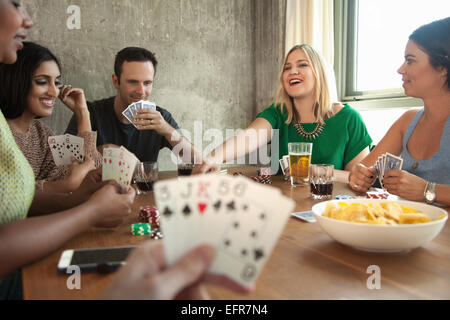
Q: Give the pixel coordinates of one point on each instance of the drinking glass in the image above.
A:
(185, 169)
(299, 161)
(321, 180)
(145, 175)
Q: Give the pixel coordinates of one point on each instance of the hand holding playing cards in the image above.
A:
(235, 215)
(90, 184)
(111, 207)
(404, 184)
(146, 119)
(361, 178)
(146, 276)
(78, 172)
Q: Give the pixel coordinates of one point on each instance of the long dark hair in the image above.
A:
(16, 79)
(434, 40)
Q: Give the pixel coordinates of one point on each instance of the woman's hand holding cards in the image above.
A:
(78, 172)
(361, 178)
(110, 207)
(404, 184)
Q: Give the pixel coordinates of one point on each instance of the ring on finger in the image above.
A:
(356, 186)
(151, 121)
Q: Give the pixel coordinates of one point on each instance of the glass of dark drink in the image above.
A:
(185, 169)
(145, 175)
(321, 181)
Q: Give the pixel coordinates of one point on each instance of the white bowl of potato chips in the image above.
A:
(380, 225)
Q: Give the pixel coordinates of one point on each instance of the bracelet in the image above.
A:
(425, 191)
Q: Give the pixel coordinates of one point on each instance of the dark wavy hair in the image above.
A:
(132, 54)
(434, 40)
(16, 79)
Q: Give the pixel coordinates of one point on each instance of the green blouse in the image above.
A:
(344, 136)
(16, 178)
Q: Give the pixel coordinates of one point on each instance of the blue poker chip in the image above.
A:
(344, 197)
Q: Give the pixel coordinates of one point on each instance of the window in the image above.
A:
(370, 41)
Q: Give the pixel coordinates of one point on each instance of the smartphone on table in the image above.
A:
(102, 260)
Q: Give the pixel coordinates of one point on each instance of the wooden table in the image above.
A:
(305, 264)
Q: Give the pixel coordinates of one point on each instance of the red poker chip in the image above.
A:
(149, 214)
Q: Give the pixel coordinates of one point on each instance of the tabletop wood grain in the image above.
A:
(305, 264)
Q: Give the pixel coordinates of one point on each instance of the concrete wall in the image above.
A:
(218, 59)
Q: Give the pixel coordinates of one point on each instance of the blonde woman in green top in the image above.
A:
(303, 112)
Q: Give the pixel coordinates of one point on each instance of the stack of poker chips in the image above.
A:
(263, 172)
(263, 176)
(150, 215)
(263, 179)
(156, 234)
(140, 229)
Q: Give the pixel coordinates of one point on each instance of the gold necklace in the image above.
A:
(309, 135)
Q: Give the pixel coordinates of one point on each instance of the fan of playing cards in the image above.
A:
(240, 218)
(130, 112)
(65, 147)
(118, 164)
(385, 163)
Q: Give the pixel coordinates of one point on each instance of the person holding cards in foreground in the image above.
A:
(146, 275)
(233, 215)
(420, 137)
(144, 131)
(303, 112)
(29, 89)
(24, 240)
(28, 231)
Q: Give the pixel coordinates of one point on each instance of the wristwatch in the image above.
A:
(429, 194)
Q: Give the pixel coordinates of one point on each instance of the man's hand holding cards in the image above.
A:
(237, 216)
(131, 111)
(118, 164)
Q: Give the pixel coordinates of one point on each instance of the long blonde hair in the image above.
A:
(323, 107)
